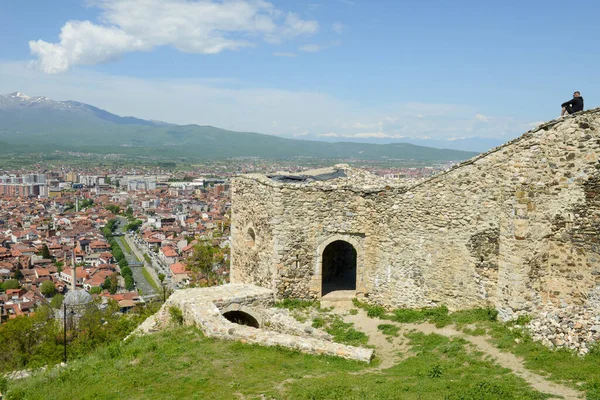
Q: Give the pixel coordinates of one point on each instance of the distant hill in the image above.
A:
(42, 124)
(474, 143)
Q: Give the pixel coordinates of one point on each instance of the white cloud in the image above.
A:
(329, 134)
(205, 27)
(315, 48)
(311, 48)
(284, 54)
(360, 125)
(482, 118)
(86, 44)
(338, 28)
(379, 135)
(362, 135)
(295, 26)
(218, 102)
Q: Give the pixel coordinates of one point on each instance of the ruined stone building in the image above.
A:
(516, 228)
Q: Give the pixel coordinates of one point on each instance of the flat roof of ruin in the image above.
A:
(340, 176)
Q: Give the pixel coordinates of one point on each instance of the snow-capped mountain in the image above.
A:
(42, 124)
(18, 99)
(20, 102)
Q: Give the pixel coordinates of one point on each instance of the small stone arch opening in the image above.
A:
(241, 318)
(251, 236)
(338, 267)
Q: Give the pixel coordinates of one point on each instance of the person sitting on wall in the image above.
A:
(573, 105)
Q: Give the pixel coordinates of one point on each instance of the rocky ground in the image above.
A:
(575, 328)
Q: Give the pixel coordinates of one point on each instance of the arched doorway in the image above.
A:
(338, 267)
(241, 318)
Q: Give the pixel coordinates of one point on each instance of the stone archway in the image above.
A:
(242, 315)
(338, 267)
(241, 318)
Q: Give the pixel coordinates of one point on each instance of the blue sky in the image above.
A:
(377, 70)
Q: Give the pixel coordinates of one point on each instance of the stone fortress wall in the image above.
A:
(516, 228)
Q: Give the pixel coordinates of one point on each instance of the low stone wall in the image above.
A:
(203, 307)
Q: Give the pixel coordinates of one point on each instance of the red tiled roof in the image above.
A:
(168, 251)
(178, 268)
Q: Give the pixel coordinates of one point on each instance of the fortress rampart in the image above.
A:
(516, 228)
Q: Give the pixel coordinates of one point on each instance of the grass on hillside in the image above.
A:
(341, 331)
(297, 304)
(558, 365)
(150, 280)
(182, 363)
(345, 333)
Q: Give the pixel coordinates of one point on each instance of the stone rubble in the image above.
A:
(573, 327)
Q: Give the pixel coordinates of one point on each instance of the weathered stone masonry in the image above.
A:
(516, 228)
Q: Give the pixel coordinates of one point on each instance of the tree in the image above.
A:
(30, 341)
(48, 289)
(126, 270)
(96, 290)
(46, 253)
(57, 301)
(85, 203)
(10, 284)
(129, 282)
(202, 259)
(107, 180)
(113, 208)
(114, 284)
(108, 229)
(59, 266)
(133, 226)
(18, 274)
(111, 284)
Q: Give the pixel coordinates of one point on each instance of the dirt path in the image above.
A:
(391, 353)
(388, 351)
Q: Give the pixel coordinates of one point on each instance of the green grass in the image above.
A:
(345, 333)
(389, 329)
(319, 322)
(297, 304)
(150, 280)
(182, 363)
(440, 316)
(341, 331)
(558, 365)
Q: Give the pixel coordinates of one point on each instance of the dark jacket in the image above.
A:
(576, 104)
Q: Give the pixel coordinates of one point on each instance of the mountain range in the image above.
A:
(37, 124)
